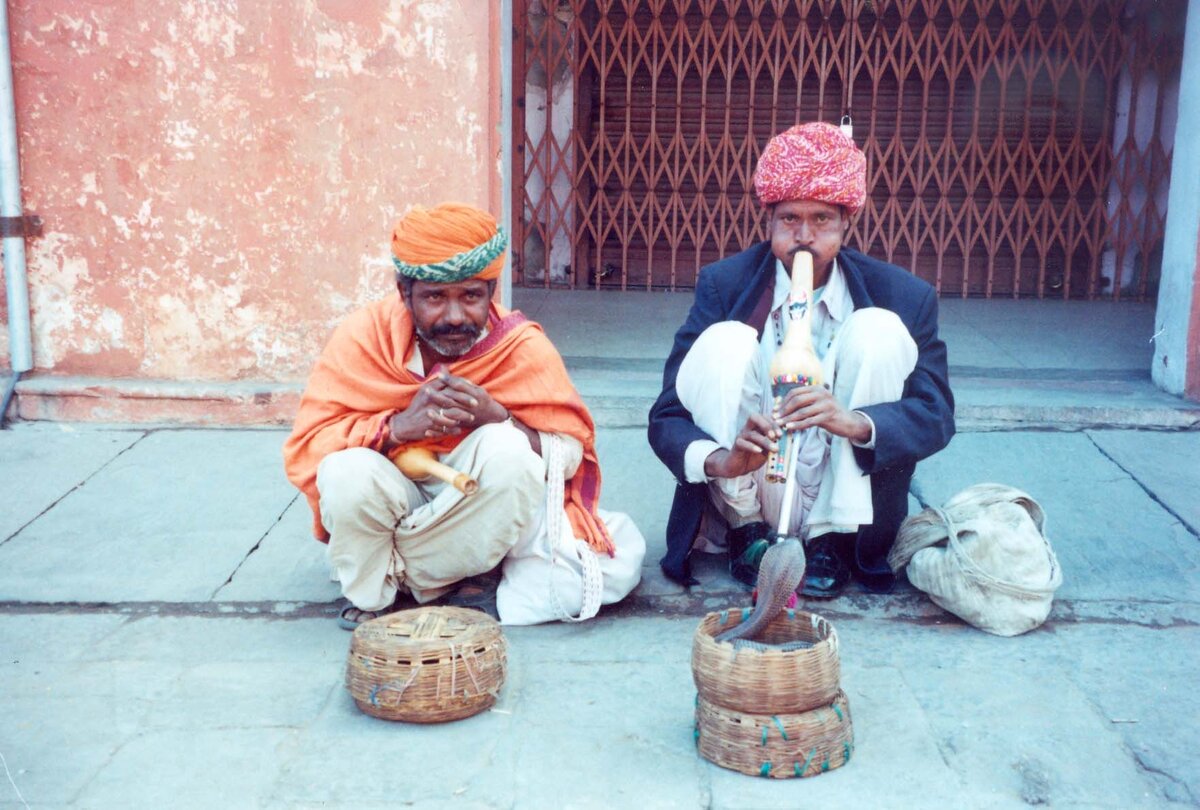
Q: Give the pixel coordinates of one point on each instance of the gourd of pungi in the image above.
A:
(795, 362)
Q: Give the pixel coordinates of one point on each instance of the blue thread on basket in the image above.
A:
(782, 733)
(766, 769)
(808, 761)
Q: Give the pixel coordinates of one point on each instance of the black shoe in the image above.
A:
(747, 545)
(876, 582)
(826, 573)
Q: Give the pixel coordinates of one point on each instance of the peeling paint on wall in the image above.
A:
(218, 178)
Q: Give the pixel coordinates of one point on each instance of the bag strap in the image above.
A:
(972, 569)
(593, 577)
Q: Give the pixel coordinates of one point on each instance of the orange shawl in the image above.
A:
(360, 380)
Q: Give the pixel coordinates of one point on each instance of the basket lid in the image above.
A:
(428, 627)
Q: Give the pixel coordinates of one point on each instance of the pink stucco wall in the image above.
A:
(218, 178)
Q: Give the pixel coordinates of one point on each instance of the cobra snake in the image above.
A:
(779, 575)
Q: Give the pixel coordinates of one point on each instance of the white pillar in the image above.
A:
(1177, 319)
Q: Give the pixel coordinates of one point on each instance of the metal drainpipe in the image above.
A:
(20, 349)
(506, 143)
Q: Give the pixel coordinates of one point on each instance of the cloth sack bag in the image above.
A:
(984, 557)
(550, 575)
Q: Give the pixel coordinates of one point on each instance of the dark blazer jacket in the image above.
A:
(914, 427)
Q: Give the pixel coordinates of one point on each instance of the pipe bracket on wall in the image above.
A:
(28, 226)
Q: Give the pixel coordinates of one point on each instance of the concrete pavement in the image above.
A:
(167, 640)
(167, 634)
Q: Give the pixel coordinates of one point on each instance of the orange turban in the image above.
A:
(812, 162)
(452, 242)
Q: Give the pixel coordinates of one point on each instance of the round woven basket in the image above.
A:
(426, 665)
(767, 681)
(780, 746)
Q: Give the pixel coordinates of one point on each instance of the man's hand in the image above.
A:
(749, 452)
(470, 405)
(814, 406)
(445, 406)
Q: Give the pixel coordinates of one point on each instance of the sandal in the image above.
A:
(351, 617)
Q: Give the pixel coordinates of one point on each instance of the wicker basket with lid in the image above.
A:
(769, 681)
(775, 710)
(427, 665)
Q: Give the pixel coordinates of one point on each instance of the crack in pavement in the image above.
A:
(1104, 717)
(64, 496)
(1153, 771)
(254, 548)
(1193, 530)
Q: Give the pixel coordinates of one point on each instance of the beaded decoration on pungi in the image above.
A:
(777, 460)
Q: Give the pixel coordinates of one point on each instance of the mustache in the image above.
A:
(792, 253)
(446, 330)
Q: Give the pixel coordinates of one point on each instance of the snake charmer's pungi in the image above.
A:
(886, 403)
(441, 366)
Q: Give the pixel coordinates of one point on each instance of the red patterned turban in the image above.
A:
(812, 162)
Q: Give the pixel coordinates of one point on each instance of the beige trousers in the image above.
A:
(720, 382)
(387, 532)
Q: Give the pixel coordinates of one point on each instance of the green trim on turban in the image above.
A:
(460, 267)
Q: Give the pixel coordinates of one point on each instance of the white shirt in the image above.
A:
(833, 306)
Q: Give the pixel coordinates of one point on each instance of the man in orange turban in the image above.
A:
(885, 405)
(442, 368)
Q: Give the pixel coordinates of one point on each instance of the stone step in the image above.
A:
(620, 391)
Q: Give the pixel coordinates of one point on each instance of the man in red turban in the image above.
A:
(886, 402)
(441, 368)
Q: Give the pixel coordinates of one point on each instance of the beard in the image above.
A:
(434, 337)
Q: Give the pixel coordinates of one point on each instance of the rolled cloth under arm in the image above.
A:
(572, 452)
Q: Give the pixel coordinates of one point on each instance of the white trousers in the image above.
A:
(387, 532)
(721, 382)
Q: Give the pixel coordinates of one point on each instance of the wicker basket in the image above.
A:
(780, 746)
(767, 681)
(426, 665)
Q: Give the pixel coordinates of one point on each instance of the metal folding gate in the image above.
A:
(1014, 147)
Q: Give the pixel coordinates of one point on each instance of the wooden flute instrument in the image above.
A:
(419, 462)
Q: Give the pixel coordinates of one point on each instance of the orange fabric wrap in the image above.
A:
(429, 235)
(360, 380)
